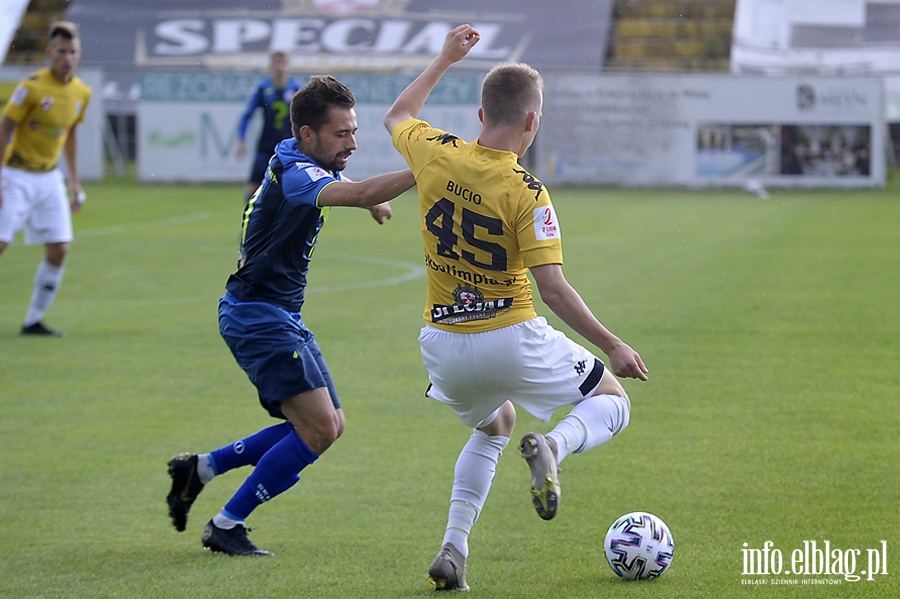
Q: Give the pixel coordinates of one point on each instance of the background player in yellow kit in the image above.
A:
(38, 125)
(486, 223)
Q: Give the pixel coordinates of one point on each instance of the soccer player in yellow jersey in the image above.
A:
(486, 222)
(38, 125)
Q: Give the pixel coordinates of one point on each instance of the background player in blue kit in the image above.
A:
(272, 96)
(259, 315)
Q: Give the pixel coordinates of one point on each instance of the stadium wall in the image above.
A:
(680, 130)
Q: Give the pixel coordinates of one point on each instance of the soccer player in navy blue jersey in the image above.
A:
(272, 97)
(259, 315)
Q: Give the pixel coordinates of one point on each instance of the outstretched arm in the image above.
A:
(380, 212)
(366, 193)
(565, 302)
(410, 101)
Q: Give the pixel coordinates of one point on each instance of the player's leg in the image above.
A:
(472, 479)
(246, 451)
(593, 421)
(560, 373)
(191, 472)
(461, 369)
(47, 281)
(257, 173)
(50, 223)
(20, 201)
(313, 416)
(14, 207)
(314, 412)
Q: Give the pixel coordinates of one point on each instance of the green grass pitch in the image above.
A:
(770, 328)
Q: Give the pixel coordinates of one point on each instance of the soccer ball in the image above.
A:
(639, 546)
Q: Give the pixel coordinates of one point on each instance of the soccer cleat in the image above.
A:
(232, 541)
(186, 486)
(540, 454)
(448, 570)
(39, 329)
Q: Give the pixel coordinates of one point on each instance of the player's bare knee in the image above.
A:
(56, 253)
(321, 438)
(339, 423)
(610, 385)
(503, 423)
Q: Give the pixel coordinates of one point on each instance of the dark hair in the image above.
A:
(64, 29)
(510, 91)
(310, 104)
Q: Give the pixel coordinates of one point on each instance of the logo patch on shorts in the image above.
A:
(545, 225)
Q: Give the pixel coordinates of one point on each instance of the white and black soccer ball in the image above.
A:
(639, 546)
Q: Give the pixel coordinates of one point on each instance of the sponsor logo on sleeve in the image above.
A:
(545, 225)
(312, 171)
(19, 95)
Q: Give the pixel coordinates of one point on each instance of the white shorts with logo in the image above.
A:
(530, 364)
(36, 202)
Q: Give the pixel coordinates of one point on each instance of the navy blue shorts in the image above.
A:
(278, 353)
(260, 164)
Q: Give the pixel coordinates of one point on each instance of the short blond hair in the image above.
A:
(510, 91)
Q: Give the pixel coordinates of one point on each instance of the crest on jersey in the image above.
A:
(467, 296)
(46, 104)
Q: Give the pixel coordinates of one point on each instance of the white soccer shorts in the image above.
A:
(37, 203)
(530, 364)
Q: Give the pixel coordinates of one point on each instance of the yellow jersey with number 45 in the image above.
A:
(485, 221)
(45, 110)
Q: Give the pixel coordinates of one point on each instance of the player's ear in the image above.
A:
(530, 120)
(481, 114)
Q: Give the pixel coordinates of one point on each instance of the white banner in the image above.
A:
(686, 130)
(187, 123)
(825, 37)
(704, 130)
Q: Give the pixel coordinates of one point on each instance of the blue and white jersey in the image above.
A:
(280, 228)
(275, 103)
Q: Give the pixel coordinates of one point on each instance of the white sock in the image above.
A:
(473, 475)
(204, 468)
(592, 422)
(46, 283)
(459, 523)
(222, 521)
(569, 434)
